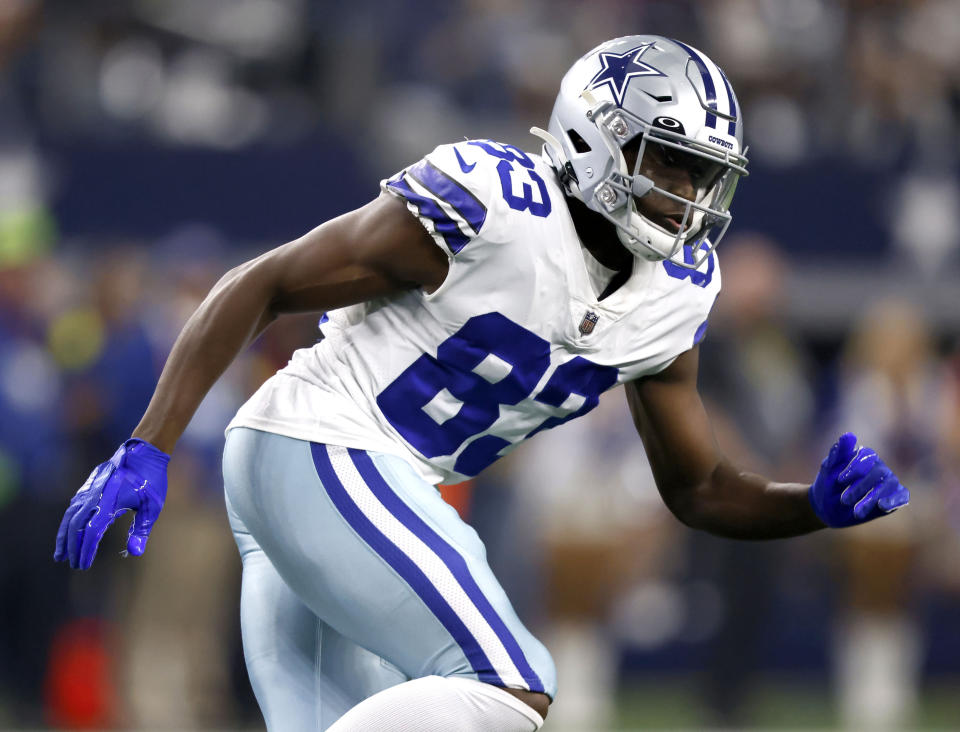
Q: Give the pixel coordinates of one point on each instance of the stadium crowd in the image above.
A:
(145, 148)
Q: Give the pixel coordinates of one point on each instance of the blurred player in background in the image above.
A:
(486, 295)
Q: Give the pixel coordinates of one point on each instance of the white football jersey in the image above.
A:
(514, 341)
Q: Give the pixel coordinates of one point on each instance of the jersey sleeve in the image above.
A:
(685, 300)
(449, 196)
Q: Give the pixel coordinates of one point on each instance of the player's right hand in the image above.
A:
(134, 479)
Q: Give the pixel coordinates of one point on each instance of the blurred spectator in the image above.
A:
(33, 462)
(942, 555)
(181, 621)
(602, 536)
(102, 345)
(891, 395)
(144, 145)
(755, 383)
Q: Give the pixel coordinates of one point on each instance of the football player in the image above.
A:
(487, 294)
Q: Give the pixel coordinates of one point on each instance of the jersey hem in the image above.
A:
(327, 438)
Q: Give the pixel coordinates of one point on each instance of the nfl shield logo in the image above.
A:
(588, 323)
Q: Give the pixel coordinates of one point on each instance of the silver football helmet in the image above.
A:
(673, 97)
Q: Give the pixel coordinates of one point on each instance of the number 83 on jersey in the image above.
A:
(439, 404)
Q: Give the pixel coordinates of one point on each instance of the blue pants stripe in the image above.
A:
(403, 565)
(450, 557)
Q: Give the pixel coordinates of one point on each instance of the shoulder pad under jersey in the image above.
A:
(458, 188)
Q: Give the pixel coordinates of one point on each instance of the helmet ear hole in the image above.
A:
(579, 144)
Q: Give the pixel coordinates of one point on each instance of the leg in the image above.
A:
(371, 549)
(304, 674)
(436, 704)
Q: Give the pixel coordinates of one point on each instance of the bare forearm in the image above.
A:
(235, 311)
(742, 505)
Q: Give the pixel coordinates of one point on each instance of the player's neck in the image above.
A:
(599, 237)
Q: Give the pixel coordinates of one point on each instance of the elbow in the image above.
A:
(253, 279)
(699, 501)
(689, 504)
(235, 273)
(228, 279)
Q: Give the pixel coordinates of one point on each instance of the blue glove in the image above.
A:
(854, 486)
(134, 479)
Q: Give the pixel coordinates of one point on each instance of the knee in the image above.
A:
(537, 701)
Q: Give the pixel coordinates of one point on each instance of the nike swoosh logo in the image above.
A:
(463, 163)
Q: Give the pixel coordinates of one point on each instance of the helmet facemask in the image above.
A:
(704, 219)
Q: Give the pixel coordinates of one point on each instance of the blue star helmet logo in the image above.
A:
(619, 68)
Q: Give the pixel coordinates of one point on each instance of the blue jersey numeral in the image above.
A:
(526, 354)
(698, 278)
(577, 376)
(491, 361)
(508, 156)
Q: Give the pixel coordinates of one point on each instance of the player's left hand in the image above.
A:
(855, 486)
(134, 479)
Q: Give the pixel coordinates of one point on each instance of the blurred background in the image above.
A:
(147, 146)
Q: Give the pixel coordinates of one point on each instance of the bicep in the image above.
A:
(376, 250)
(673, 424)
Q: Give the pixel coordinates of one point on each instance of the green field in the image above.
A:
(774, 705)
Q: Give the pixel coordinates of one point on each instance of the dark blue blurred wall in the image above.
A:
(276, 193)
(258, 193)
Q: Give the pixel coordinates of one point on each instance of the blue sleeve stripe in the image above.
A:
(427, 208)
(701, 332)
(450, 192)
